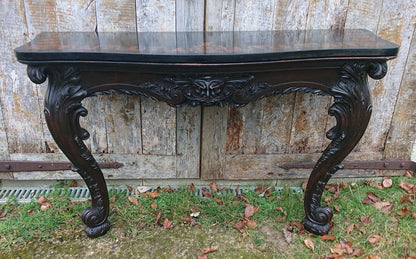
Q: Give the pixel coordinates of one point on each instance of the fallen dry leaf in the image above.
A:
(373, 239)
(283, 218)
(373, 197)
(387, 182)
(206, 193)
(244, 198)
(45, 204)
(304, 184)
(365, 219)
(187, 219)
(167, 224)
(191, 187)
(413, 214)
(336, 208)
(208, 250)
(328, 237)
(31, 212)
(152, 195)
(239, 225)
(251, 224)
(202, 257)
(408, 198)
(362, 230)
(250, 246)
(408, 174)
(129, 188)
(410, 188)
(213, 186)
(153, 205)
(309, 244)
(350, 228)
(73, 183)
(384, 206)
(3, 214)
(218, 200)
(403, 211)
(296, 225)
(249, 211)
(158, 217)
(133, 200)
(357, 252)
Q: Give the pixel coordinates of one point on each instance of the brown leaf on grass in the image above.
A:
(251, 224)
(384, 206)
(239, 225)
(3, 214)
(362, 230)
(158, 217)
(336, 208)
(373, 197)
(387, 182)
(202, 257)
(350, 228)
(222, 189)
(357, 252)
(167, 224)
(413, 214)
(403, 211)
(31, 212)
(153, 205)
(295, 225)
(243, 197)
(328, 237)
(152, 195)
(45, 204)
(129, 188)
(304, 184)
(209, 250)
(282, 218)
(206, 193)
(218, 200)
(365, 219)
(408, 174)
(408, 198)
(373, 239)
(408, 187)
(237, 190)
(191, 187)
(213, 186)
(187, 219)
(133, 200)
(249, 211)
(309, 244)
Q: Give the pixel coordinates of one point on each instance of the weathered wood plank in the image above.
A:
(123, 119)
(396, 23)
(310, 115)
(267, 166)
(402, 130)
(291, 14)
(21, 112)
(188, 134)
(116, 15)
(189, 17)
(158, 119)
(213, 142)
(134, 167)
(219, 17)
(76, 15)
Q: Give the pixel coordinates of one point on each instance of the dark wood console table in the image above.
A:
(207, 68)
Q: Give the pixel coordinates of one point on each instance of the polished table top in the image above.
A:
(202, 47)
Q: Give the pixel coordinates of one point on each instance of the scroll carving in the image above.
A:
(352, 109)
(63, 110)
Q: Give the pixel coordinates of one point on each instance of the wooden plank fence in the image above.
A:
(154, 140)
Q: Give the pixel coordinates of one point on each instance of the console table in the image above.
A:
(207, 68)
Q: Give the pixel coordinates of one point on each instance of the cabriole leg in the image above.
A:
(352, 110)
(63, 109)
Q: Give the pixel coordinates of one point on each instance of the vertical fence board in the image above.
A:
(123, 119)
(395, 24)
(158, 119)
(21, 112)
(189, 17)
(402, 131)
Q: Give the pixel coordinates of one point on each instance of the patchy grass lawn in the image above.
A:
(370, 219)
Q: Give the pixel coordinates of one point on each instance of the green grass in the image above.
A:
(26, 222)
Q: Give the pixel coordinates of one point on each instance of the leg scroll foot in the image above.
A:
(94, 228)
